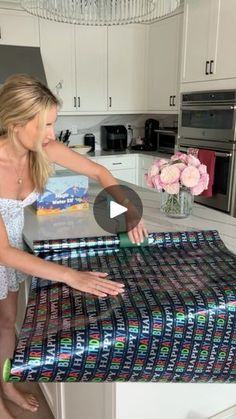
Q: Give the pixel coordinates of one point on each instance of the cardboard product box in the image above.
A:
(64, 192)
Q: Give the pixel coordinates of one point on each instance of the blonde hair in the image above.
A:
(22, 97)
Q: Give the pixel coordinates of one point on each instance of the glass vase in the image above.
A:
(177, 205)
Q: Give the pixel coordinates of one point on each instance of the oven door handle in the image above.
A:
(207, 107)
(218, 153)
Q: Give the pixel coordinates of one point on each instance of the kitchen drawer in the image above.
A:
(117, 162)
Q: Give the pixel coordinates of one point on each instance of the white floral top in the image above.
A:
(12, 212)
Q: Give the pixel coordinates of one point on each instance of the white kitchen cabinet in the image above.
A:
(164, 39)
(58, 54)
(53, 393)
(91, 68)
(73, 400)
(128, 175)
(130, 168)
(225, 59)
(126, 67)
(75, 63)
(122, 167)
(18, 28)
(209, 28)
(195, 44)
(127, 167)
(90, 76)
(144, 163)
(166, 401)
(137, 400)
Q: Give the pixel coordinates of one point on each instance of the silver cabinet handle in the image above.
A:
(174, 104)
(110, 102)
(116, 164)
(74, 102)
(170, 101)
(78, 98)
(206, 68)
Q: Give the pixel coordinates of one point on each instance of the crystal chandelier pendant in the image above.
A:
(101, 12)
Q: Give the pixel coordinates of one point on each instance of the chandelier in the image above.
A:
(101, 12)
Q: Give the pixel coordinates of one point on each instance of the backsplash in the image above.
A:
(91, 124)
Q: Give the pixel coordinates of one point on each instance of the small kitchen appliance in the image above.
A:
(113, 137)
(166, 140)
(151, 125)
(89, 139)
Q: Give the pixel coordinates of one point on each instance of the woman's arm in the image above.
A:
(92, 282)
(62, 155)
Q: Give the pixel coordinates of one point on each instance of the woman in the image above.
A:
(28, 111)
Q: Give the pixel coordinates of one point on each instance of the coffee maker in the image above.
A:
(150, 140)
(89, 139)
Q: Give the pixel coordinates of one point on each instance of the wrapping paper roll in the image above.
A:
(94, 244)
(175, 322)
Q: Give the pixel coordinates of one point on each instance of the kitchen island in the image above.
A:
(134, 400)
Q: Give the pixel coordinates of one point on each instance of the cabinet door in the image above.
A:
(17, 28)
(91, 68)
(196, 39)
(52, 393)
(126, 67)
(152, 400)
(83, 401)
(58, 54)
(144, 164)
(225, 60)
(163, 63)
(127, 175)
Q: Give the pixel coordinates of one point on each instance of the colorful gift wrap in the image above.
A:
(64, 192)
(175, 322)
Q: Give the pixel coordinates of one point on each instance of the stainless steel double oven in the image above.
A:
(207, 121)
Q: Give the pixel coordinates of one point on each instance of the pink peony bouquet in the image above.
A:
(182, 171)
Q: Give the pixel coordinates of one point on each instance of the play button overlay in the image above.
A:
(117, 209)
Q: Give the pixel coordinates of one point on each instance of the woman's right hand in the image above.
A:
(94, 283)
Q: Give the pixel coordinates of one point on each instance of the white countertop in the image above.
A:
(99, 153)
(83, 224)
